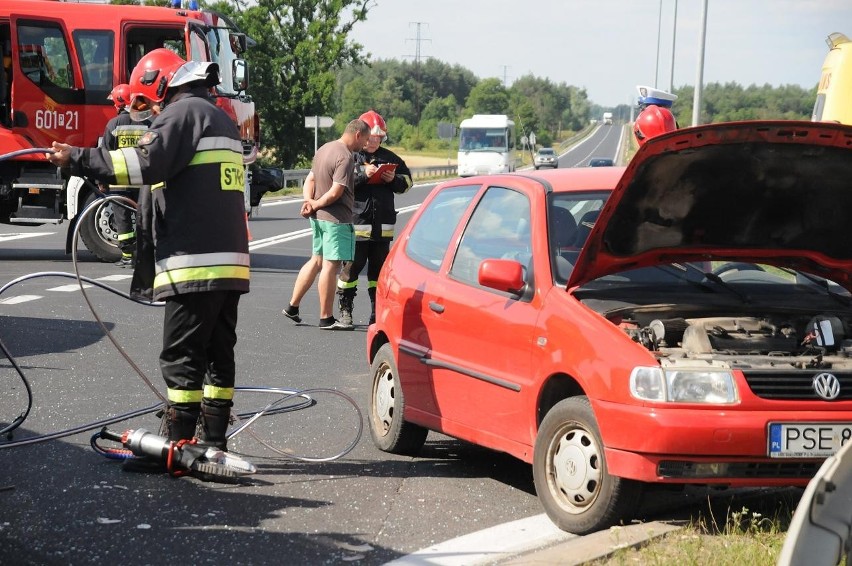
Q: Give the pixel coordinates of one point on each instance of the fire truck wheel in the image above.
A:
(99, 234)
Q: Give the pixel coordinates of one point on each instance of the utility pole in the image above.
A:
(417, 41)
(659, 27)
(674, 35)
(699, 76)
(505, 76)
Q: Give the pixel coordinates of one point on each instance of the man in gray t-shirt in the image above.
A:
(329, 194)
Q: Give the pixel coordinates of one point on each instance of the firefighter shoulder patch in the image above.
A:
(148, 138)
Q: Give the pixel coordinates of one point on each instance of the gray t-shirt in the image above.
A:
(334, 163)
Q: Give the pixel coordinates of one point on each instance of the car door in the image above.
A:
(481, 338)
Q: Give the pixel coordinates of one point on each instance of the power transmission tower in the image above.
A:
(418, 39)
(505, 76)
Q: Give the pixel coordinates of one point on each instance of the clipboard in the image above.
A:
(376, 178)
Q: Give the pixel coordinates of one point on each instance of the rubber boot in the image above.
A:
(182, 423)
(214, 426)
(372, 292)
(346, 304)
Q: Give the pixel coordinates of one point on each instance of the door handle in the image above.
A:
(436, 307)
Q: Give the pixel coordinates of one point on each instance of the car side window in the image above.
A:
(429, 239)
(498, 228)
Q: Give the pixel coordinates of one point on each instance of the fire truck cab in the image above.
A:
(60, 62)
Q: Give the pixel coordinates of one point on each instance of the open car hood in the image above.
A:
(778, 193)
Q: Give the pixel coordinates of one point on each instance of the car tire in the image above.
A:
(570, 473)
(98, 232)
(536, 167)
(389, 431)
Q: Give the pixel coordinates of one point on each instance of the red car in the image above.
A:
(686, 320)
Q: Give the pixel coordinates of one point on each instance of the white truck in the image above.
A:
(607, 118)
(486, 145)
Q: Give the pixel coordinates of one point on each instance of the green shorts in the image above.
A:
(332, 241)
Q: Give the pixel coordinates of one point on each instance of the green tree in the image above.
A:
(300, 46)
(487, 97)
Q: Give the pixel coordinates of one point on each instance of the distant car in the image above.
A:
(545, 157)
(601, 162)
(684, 321)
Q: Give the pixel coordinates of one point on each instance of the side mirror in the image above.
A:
(240, 74)
(238, 42)
(505, 275)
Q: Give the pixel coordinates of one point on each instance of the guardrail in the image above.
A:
(296, 177)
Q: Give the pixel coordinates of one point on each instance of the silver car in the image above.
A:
(545, 157)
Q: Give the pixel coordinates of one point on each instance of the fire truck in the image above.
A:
(60, 62)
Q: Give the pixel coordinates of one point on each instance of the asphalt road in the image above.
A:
(63, 503)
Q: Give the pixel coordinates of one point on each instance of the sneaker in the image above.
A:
(332, 323)
(292, 313)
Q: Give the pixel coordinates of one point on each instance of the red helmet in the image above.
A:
(653, 121)
(376, 123)
(151, 76)
(120, 96)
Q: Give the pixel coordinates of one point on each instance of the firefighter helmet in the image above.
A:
(120, 96)
(651, 122)
(376, 123)
(151, 75)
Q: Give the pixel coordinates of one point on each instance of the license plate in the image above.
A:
(807, 440)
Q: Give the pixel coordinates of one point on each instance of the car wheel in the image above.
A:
(536, 167)
(390, 432)
(570, 474)
(98, 232)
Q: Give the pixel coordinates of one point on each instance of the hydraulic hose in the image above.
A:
(303, 398)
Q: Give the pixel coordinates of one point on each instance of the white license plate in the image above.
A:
(807, 440)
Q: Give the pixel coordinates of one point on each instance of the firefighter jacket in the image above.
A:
(373, 213)
(192, 157)
(122, 131)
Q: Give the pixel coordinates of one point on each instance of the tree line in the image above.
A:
(303, 62)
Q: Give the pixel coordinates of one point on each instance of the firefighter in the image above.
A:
(374, 215)
(655, 116)
(653, 121)
(197, 259)
(122, 131)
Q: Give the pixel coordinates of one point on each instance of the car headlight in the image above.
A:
(710, 386)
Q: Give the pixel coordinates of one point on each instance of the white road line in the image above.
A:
(120, 277)
(69, 288)
(20, 299)
(272, 240)
(10, 237)
(488, 546)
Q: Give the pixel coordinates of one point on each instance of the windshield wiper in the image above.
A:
(710, 276)
(820, 282)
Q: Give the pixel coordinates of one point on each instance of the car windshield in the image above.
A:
(571, 217)
(546, 151)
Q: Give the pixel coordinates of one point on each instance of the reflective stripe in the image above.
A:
(168, 278)
(119, 167)
(408, 182)
(213, 392)
(372, 284)
(217, 156)
(158, 186)
(134, 168)
(341, 284)
(198, 260)
(126, 236)
(184, 396)
(220, 142)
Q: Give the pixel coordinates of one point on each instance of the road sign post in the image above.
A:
(317, 122)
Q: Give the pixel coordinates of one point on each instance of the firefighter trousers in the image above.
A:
(371, 253)
(197, 360)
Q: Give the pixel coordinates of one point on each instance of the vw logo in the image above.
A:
(827, 386)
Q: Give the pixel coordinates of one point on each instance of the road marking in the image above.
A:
(69, 288)
(271, 241)
(20, 299)
(21, 236)
(489, 546)
(120, 277)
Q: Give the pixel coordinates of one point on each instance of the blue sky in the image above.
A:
(610, 46)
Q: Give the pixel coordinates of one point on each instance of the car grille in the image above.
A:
(742, 470)
(794, 385)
